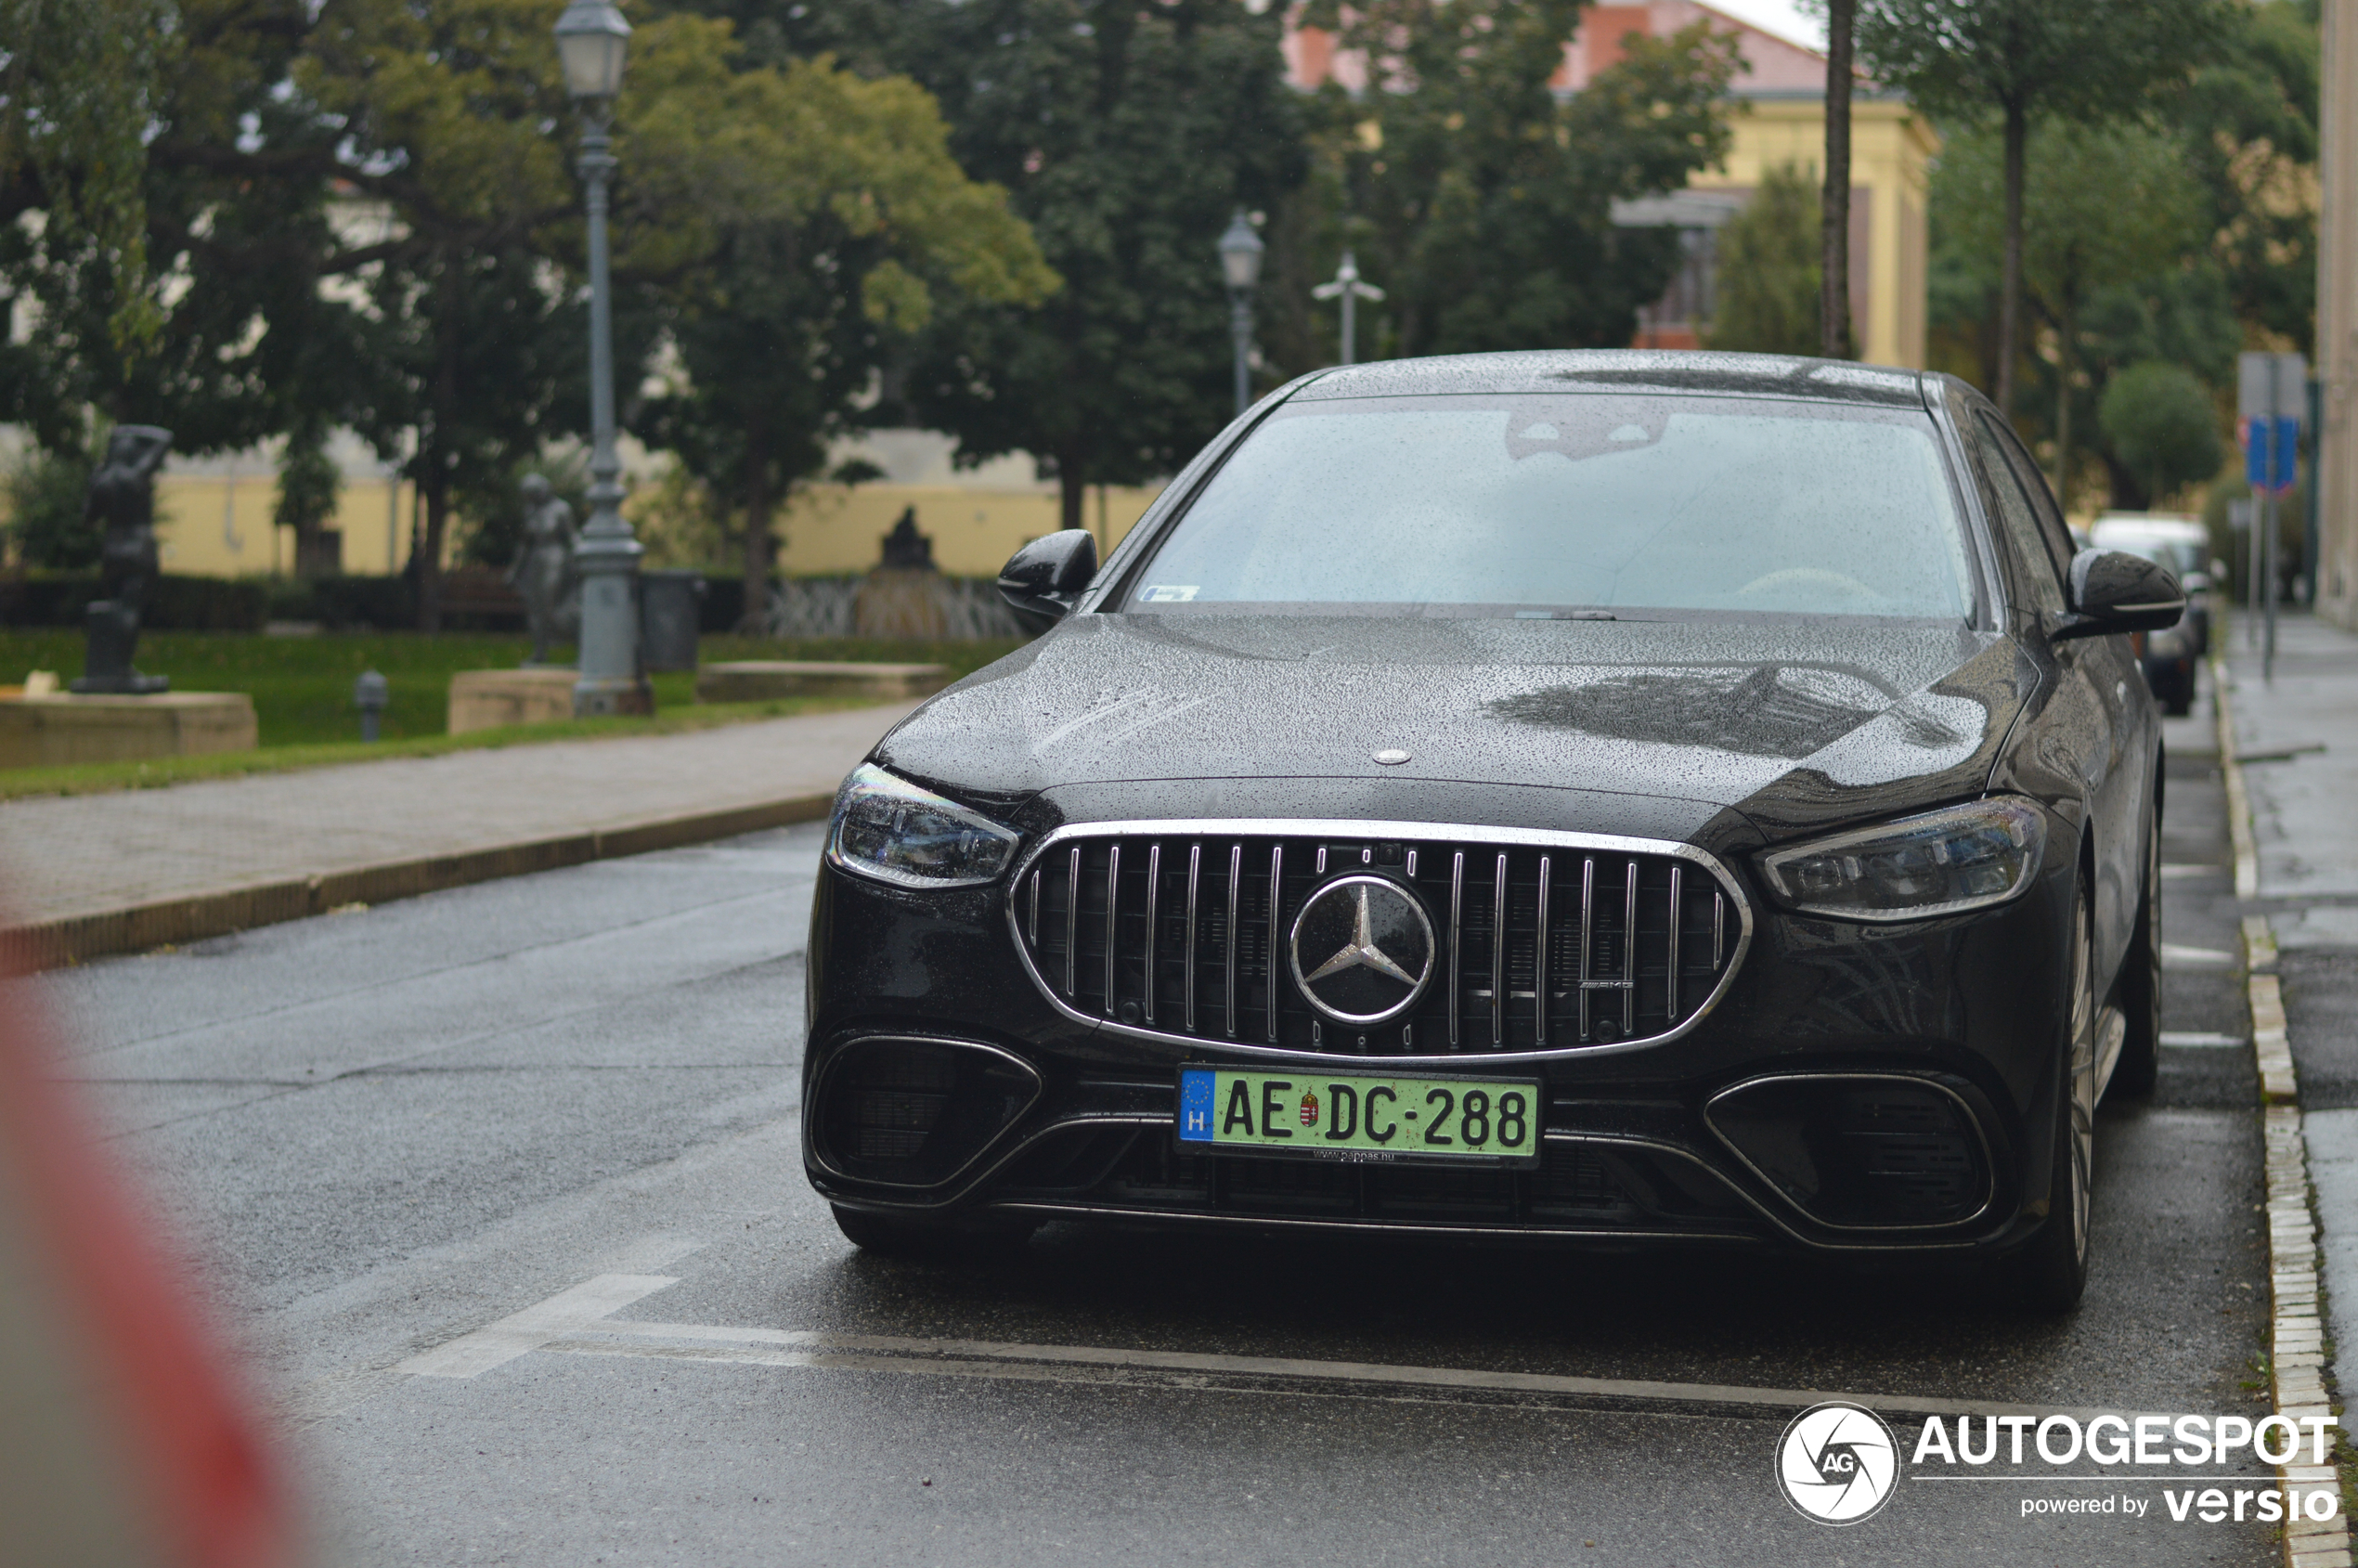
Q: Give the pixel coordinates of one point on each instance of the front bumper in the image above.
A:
(1855, 1088)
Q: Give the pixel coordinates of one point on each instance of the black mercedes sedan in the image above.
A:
(1609, 798)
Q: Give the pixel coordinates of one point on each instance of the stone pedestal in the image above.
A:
(64, 731)
(486, 699)
(755, 681)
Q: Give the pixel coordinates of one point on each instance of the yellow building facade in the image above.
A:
(218, 525)
(1891, 153)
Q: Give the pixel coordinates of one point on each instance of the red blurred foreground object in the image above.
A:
(124, 1438)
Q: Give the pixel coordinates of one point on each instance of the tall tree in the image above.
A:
(78, 88)
(1487, 199)
(223, 275)
(1833, 242)
(2021, 59)
(2074, 249)
(1125, 134)
(1768, 257)
(805, 290)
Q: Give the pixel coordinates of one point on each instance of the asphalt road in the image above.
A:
(395, 1133)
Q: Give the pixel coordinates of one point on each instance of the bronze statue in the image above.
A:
(121, 500)
(905, 550)
(543, 572)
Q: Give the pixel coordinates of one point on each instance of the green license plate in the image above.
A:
(1360, 1117)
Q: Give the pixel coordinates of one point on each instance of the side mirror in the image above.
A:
(2113, 590)
(1042, 580)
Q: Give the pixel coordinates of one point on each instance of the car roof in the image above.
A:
(1622, 369)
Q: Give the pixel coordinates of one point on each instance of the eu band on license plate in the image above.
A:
(1360, 1117)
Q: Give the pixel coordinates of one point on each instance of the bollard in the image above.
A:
(368, 694)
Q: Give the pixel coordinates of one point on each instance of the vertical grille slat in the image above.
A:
(1072, 924)
(1194, 874)
(1154, 930)
(1543, 973)
(1629, 954)
(1113, 910)
(1677, 886)
(1277, 907)
(1539, 987)
(1588, 938)
(1498, 957)
(1457, 937)
(1228, 960)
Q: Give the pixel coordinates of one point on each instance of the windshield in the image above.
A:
(1568, 504)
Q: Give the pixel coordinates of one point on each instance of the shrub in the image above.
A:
(2163, 425)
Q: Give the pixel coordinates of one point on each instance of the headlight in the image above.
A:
(1958, 858)
(889, 829)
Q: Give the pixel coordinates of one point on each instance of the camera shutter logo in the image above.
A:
(1837, 1463)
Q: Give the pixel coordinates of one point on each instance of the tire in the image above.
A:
(936, 1241)
(2138, 991)
(2051, 1274)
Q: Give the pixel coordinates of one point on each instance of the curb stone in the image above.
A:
(2296, 1365)
(192, 918)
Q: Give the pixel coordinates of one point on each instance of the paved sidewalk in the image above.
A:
(2297, 737)
(276, 845)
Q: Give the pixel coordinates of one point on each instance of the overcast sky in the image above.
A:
(1783, 17)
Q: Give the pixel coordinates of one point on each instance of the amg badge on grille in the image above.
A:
(1361, 949)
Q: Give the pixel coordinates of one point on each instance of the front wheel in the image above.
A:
(2052, 1273)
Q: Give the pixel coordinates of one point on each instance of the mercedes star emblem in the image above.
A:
(1361, 949)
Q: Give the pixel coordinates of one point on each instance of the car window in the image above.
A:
(2061, 545)
(1535, 505)
(2042, 579)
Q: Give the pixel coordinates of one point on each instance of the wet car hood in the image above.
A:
(1796, 724)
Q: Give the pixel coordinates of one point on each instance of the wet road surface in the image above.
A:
(397, 1134)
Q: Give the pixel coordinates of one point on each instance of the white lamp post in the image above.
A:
(1240, 268)
(591, 37)
(1348, 289)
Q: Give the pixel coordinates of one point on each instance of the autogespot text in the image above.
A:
(2135, 1442)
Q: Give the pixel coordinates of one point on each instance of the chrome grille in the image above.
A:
(1542, 945)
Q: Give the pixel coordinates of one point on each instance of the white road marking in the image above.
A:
(2172, 873)
(2175, 957)
(564, 1313)
(577, 1323)
(2198, 1040)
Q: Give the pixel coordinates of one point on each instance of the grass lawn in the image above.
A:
(301, 691)
(302, 686)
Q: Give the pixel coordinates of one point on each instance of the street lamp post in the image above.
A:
(1240, 266)
(1351, 291)
(590, 39)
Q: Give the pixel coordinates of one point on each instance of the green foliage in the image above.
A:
(2102, 205)
(2089, 59)
(77, 79)
(2245, 119)
(309, 480)
(1486, 200)
(1125, 136)
(46, 492)
(806, 284)
(492, 513)
(2011, 64)
(1769, 268)
(2163, 427)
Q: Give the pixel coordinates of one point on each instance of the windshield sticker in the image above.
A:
(1168, 594)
